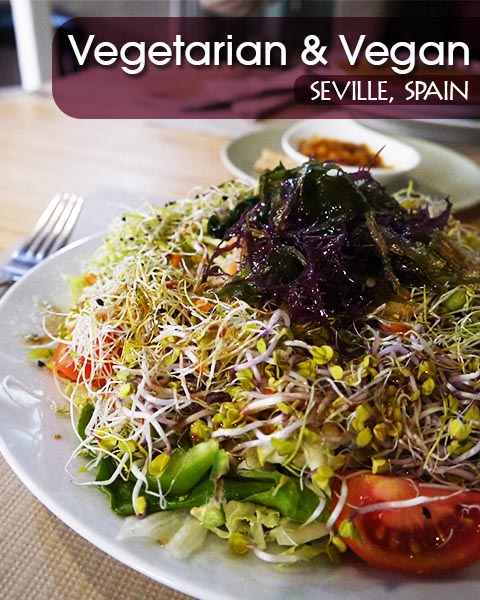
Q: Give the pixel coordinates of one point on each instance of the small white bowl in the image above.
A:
(398, 156)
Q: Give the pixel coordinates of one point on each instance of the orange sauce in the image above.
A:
(343, 153)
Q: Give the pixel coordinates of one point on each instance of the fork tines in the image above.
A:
(52, 229)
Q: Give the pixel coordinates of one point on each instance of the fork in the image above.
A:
(49, 234)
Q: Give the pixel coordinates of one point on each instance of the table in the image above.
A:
(42, 152)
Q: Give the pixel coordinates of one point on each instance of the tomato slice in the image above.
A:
(79, 369)
(432, 537)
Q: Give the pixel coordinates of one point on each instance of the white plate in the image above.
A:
(27, 439)
(441, 172)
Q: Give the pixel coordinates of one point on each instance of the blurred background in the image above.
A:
(27, 26)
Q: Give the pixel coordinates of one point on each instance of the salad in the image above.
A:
(293, 368)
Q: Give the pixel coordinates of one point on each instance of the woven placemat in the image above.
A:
(43, 559)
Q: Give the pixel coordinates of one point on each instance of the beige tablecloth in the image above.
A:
(43, 559)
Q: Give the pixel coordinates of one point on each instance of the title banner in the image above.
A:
(181, 68)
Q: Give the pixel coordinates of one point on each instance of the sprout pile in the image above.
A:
(239, 352)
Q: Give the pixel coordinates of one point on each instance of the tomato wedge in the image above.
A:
(64, 364)
(80, 369)
(432, 537)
